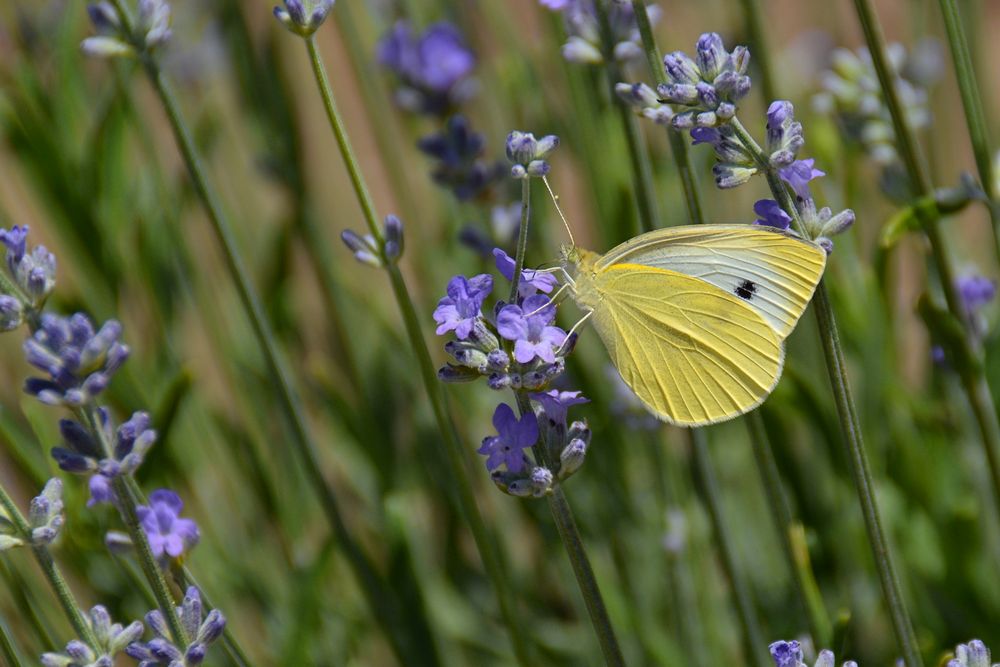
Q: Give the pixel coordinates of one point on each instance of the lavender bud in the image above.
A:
(578, 50)
(9, 542)
(497, 360)
(103, 17)
(119, 543)
(572, 457)
(710, 55)
(11, 313)
(363, 247)
(680, 68)
(825, 659)
(393, 247)
(731, 176)
(452, 373)
(106, 47)
(80, 652)
(300, 19)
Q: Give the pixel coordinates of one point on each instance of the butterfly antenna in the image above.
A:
(555, 200)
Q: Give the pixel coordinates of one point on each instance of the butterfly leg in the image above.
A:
(554, 300)
(572, 332)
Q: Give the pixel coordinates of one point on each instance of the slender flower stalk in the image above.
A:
(753, 638)
(7, 648)
(51, 571)
(678, 146)
(562, 513)
(127, 505)
(486, 542)
(642, 171)
(972, 103)
(973, 375)
(847, 414)
(377, 595)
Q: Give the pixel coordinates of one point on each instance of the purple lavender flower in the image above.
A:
(556, 403)
(79, 360)
(201, 630)
(556, 5)
(434, 67)
(169, 535)
(975, 291)
(531, 281)
(786, 654)
(529, 326)
(798, 174)
(513, 437)
(771, 214)
(459, 310)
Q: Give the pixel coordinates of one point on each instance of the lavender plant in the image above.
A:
(203, 412)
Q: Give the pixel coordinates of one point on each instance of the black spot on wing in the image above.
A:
(746, 290)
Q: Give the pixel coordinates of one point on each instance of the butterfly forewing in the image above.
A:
(693, 353)
(773, 272)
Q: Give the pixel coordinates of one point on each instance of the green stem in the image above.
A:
(522, 239)
(972, 103)
(849, 423)
(371, 583)
(7, 648)
(232, 647)
(973, 376)
(51, 572)
(678, 146)
(642, 171)
(558, 504)
(485, 539)
(25, 605)
(753, 639)
(573, 543)
(796, 557)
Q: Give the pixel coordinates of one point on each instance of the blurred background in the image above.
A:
(87, 160)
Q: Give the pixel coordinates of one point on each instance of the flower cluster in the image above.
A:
(78, 359)
(705, 90)
(519, 347)
(84, 451)
(853, 95)
(202, 631)
(26, 280)
(434, 67)
(366, 249)
(151, 29)
(789, 654)
(45, 519)
(585, 45)
(303, 19)
(459, 166)
(973, 654)
(112, 639)
(527, 154)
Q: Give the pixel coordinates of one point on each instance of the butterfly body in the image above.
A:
(694, 318)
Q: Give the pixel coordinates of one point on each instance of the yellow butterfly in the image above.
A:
(694, 317)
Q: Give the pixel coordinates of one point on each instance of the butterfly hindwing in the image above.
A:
(693, 353)
(773, 272)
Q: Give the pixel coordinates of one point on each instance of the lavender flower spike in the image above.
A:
(704, 91)
(112, 638)
(529, 326)
(459, 310)
(169, 535)
(78, 360)
(513, 437)
(528, 154)
(201, 630)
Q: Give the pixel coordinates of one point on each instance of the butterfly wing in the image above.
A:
(774, 272)
(691, 352)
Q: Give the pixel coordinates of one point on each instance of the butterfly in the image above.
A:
(695, 317)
